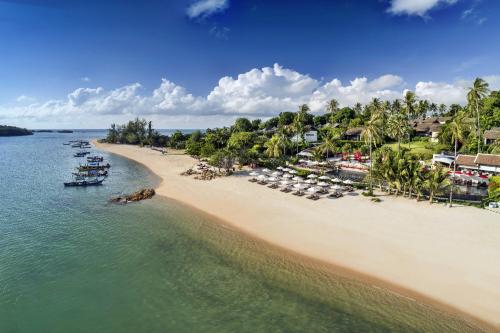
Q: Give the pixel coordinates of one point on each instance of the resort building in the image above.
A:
(354, 133)
(491, 135)
(310, 137)
(481, 162)
(429, 127)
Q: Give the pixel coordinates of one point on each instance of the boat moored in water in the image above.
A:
(82, 181)
(93, 166)
(95, 158)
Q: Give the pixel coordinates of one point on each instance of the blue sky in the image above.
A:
(63, 61)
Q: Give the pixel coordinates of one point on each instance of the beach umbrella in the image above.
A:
(254, 174)
(336, 187)
(302, 161)
(323, 184)
(324, 178)
(280, 168)
(277, 173)
(312, 175)
(293, 172)
(312, 189)
(272, 179)
(300, 186)
(336, 180)
(286, 182)
(262, 177)
(348, 182)
(287, 175)
(310, 181)
(297, 178)
(286, 169)
(266, 170)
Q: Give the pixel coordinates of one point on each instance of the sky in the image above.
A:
(202, 63)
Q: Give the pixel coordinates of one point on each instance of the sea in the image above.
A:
(70, 261)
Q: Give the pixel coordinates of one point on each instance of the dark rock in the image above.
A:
(145, 193)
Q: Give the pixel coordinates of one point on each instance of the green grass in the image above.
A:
(418, 147)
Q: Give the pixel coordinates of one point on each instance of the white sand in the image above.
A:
(451, 255)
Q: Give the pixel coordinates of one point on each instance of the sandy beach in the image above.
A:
(451, 255)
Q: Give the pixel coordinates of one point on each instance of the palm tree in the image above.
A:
(422, 108)
(372, 134)
(275, 146)
(436, 181)
(328, 144)
(332, 108)
(434, 109)
(397, 127)
(477, 92)
(299, 122)
(456, 129)
(409, 102)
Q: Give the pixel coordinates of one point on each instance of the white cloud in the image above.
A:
(85, 79)
(25, 99)
(257, 93)
(416, 7)
(206, 8)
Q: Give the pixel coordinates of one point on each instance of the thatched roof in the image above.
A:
(488, 159)
(492, 134)
(466, 160)
(354, 131)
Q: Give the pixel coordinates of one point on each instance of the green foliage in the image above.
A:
(243, 125)
(13, 131)
(494, 189)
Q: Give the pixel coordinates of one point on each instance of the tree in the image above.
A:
(442, 110)
(332, 108)
(409, 104)
(275, 147)
(372, 134)
(437, 180)
(477, 92)
(422, 108)
(398, 127)
(299, 123)
(223, 159)
(328, 144)
(456, 128)
(242, 125)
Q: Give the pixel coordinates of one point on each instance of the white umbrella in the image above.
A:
(323, 184)
(336, 180)
(336, 187)
(286, 182)
(262, 177)
(253, 174)
(300, 186)
(266, 170)
(312, 189)
(286, 169)
(312, 175)
(272, 179)
(348, 182)
(297, 178)
(310, 181)
(277, 173)
(287, 175)
(302, 161)
(293, 172)
(280, 168)
(324, 178)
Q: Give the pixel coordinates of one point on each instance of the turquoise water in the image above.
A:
(71, 262)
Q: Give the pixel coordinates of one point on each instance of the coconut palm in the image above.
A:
(275, 147)
(299, 123)
(422, 108)
(436, 181)
(456, 129)
(398, 127)
(477, 92)
(332, 108)
(409, 103)
(328, 144)
(372, 134)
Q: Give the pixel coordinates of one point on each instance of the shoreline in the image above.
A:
(280, 221)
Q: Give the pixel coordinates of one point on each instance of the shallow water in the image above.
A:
(71, 262)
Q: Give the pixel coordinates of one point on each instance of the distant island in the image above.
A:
(65, 131)
(14, 131)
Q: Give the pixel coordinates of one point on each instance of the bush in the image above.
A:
(376, 200)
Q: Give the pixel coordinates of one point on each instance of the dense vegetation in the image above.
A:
(13, 131)
(387, 132)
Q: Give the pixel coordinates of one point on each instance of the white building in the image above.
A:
(310, 136)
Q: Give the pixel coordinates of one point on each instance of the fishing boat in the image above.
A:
(92, 173)
(82, 181)
(95, 158)
(93, 166)
(81, 154)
